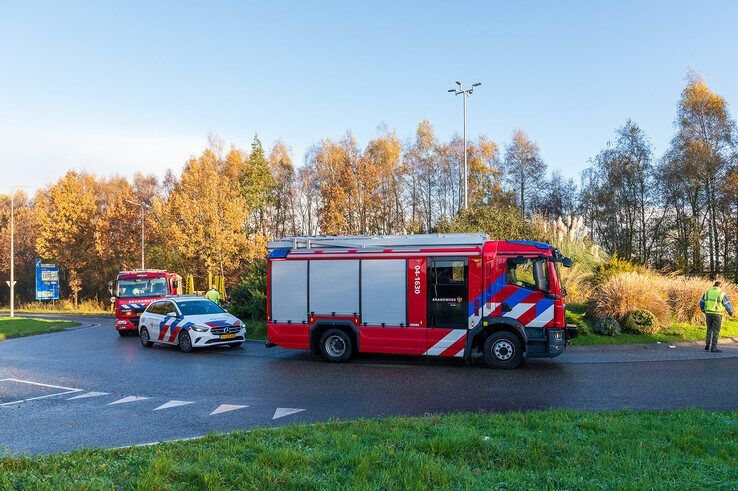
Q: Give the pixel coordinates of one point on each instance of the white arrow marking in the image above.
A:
(128, 399)
(224, 408)
(281, 412)
(89, 394)
(174, 403)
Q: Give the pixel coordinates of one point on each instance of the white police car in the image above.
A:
(189, 322)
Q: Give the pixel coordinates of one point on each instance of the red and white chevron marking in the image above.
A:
(452, 344)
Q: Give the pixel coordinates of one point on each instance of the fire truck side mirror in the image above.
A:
(175, 285)
(111, 287)
(567, 262)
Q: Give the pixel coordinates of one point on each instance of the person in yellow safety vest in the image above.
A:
(213, 295)
(714, 304)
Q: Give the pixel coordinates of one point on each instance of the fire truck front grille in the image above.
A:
(225, 330)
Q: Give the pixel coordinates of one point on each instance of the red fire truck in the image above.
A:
(133, 291)
(456, 295)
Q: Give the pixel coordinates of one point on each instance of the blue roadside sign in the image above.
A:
(47, 281)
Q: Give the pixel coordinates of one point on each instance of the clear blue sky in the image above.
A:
(115, 87)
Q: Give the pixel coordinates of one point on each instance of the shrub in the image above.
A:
(607, 326)
(248, 299)
(614, 266)
(685, 294)
(627, 292)
(641, 322)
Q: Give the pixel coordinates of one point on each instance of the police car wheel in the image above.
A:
(335, 346)
(503, 350)
(184, 342)
(145, 339)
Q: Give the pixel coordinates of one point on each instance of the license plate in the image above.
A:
(227, 336)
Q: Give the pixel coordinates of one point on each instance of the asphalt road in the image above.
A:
(90, 388)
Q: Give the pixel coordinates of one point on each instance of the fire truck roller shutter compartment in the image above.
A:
(334, 287)
(383, 292)
(289, 291)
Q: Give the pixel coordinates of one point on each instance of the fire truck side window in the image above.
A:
(530, 273)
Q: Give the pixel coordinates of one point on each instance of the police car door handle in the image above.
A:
(506, 307)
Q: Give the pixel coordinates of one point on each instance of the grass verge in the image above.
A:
(536, 450)
(18, 327)
(676, 331)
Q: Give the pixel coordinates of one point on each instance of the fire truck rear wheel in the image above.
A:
(335, 346)
(184, 342)
(145, 338)
(502, 349)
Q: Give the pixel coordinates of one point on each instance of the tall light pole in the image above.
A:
(459, 90)
(143, 264)
(11, 283)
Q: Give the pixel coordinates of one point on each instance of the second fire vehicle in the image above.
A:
(436, 295)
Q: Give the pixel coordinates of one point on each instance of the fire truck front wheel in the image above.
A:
(335, 346)
(502, 349)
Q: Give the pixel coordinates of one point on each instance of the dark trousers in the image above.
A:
(713, 329)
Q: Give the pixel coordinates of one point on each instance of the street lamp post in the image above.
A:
(143, 266)
(11, 283)
(459, 90)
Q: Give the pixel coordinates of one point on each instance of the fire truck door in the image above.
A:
(447, 292)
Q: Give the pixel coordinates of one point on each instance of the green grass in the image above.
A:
(677, 331)
(18, 327)
(85, 307)
(536, 450)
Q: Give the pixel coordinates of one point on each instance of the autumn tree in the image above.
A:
(25, 247)
(203, 218)
(284, 200)
(424, 174)
(66, 213)
(619, 195)
(383, 155)
(523, 169)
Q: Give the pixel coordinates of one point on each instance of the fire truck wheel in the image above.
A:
(503, 350)
(335, 346)
(184, 342)
(145, 339)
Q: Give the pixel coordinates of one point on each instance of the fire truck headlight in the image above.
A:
(200, 328)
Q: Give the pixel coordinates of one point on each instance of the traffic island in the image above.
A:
(17, 327)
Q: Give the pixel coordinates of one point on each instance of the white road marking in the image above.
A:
(89, 394)
(128, 399)
(224, 408)
(173, 403)
(281, 412)
(66, 390)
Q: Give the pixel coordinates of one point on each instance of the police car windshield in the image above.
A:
(198, 307)
(142, 287)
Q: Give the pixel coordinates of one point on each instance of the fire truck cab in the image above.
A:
(133, 291)
(455, 295)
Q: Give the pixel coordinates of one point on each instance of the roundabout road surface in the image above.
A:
(87, 387)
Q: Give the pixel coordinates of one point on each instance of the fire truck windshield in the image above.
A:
(142, 287)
